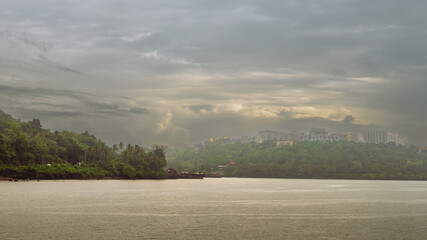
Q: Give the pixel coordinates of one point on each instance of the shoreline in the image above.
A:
(3, 179)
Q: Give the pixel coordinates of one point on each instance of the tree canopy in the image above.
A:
(24, 144)
(307, 160)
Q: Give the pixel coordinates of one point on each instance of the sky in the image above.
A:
(180, 72)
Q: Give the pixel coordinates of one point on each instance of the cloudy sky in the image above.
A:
(178, 72)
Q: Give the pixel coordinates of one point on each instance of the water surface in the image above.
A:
(225, 208)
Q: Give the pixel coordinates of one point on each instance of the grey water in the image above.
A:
(223, 208)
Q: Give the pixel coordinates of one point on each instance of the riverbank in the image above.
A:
(68, 171)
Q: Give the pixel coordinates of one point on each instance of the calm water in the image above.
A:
(226, 208)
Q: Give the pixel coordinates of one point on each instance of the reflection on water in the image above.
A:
(226, 208)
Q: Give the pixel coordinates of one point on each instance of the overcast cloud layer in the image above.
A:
(177, 72)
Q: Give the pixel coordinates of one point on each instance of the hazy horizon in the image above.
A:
(178, 72)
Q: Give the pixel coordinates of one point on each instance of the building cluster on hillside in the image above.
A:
(219, 141)
(314, 135)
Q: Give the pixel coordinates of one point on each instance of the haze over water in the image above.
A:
(226, 208)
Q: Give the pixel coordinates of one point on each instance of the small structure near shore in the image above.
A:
(213, 175)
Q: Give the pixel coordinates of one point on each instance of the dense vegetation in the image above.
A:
(29, 151)
(307, 160)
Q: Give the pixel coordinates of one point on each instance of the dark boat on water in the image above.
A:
(5, 179)
(173, 174)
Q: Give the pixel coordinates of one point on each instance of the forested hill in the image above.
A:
(307, 160)
(29, 151)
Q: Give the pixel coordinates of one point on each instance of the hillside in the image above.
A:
(29, 151)
(307, 160)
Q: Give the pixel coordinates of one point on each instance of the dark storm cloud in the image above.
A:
(26, 91)
(199, 108)
(58, 103)
(139, 110)
(105, 108)
(348, 119)
(33, 113)
(190, 69)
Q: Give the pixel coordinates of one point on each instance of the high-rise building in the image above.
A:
(268, 135)
(316, 135)
(375, 136)
(381, 136)
(318, 131)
